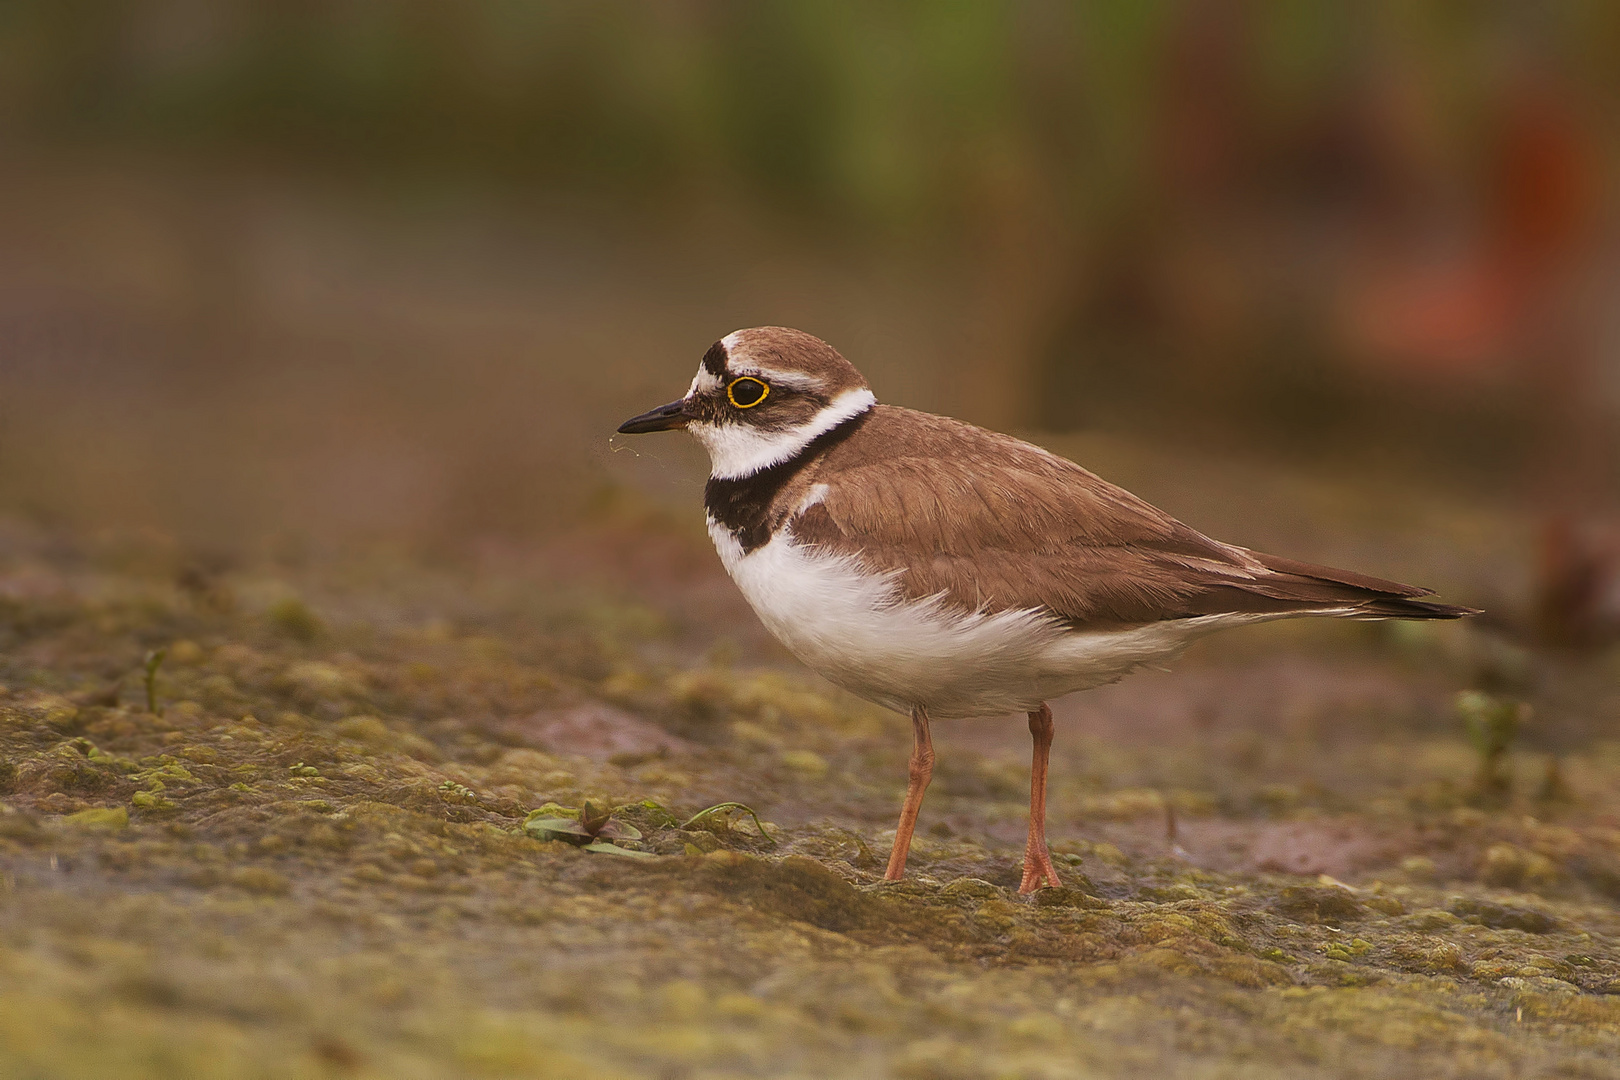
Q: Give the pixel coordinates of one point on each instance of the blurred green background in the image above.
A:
(395, 269)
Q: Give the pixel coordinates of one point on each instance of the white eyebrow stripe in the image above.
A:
(793, 380)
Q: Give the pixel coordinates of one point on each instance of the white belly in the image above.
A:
(853, 628)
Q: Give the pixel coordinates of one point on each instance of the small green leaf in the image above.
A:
(595, 820)
(730, 808)
(554, 829)
(620, 830)
(602, 847)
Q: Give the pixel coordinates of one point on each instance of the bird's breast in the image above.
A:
(854, 627)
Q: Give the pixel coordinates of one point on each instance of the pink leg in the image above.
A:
(1038, 868)
(922, 769)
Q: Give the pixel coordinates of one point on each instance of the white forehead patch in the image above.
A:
(704, 382)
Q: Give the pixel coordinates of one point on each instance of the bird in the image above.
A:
(946, 571)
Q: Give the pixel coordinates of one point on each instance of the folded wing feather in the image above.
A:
(1006, 525)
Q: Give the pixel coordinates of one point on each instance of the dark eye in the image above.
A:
(747, 391)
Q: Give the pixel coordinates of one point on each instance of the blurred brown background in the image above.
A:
(276, 271)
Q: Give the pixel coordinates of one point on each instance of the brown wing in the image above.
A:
(1007, 526)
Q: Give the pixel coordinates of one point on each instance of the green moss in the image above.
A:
(152, 802)
(365, 729)
(344, 887)
(97, 817)
(1428, 954)
(292, 617)
(971, 891)
(1314, 904)
(806, 762)
(1067, 898)
(1501, 916)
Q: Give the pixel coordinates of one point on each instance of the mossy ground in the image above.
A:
(312, 863)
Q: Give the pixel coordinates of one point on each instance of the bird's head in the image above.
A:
(759, 397)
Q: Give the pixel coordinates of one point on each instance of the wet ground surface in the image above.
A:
(310, 858)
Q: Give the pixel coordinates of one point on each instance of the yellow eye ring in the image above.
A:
(731, 391)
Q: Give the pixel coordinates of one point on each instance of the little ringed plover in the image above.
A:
(943, 570)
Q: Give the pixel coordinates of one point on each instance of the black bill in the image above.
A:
(664, 418)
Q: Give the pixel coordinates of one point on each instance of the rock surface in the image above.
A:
(313, 861)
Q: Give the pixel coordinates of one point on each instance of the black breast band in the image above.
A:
(743, 505)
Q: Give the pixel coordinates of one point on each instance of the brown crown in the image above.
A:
(782, 349)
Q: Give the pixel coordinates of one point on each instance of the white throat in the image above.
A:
(737, 450)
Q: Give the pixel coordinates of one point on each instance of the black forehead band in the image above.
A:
(714, 361)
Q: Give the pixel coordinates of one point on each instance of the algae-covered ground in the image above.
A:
(308, 856)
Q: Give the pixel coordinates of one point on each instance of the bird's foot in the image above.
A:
(1038, 871)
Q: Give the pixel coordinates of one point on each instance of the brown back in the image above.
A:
(992, 523)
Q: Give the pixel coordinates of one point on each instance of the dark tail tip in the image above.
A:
(1403, 608)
